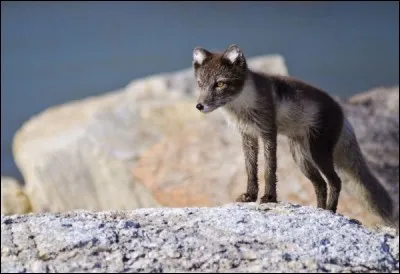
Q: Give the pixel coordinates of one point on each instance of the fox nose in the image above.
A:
(199, 106)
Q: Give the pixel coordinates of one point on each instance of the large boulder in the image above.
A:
(80, 155)
(234, 237)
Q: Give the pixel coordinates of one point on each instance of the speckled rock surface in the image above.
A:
(234, 237)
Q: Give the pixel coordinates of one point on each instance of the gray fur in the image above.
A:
(320, 137)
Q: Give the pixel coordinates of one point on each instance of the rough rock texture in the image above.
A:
(234, 237)
(80, 155)
(13, 197)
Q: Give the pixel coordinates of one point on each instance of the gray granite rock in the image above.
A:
(234, 237)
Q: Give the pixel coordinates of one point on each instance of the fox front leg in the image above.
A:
(250, 150)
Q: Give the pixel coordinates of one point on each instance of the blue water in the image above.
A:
(55, 52)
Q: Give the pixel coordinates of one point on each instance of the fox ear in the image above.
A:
(233, 53)
(199, 55)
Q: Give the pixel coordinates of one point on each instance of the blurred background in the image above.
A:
(56, 52)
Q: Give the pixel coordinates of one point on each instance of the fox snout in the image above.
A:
(205, 102)
(204, 107)
(200, 106)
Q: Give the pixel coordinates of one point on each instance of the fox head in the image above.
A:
(220, 77)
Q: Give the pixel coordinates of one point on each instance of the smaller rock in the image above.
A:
(380, 100)
(13, 198)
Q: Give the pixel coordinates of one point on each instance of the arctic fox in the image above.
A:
(321, 139)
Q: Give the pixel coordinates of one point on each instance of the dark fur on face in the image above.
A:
(220, 77)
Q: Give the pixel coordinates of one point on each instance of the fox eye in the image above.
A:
(220, 84)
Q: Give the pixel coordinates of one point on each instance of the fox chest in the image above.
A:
(241, 122)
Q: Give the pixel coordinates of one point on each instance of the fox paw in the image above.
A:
(268, 199)
(246, 198)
